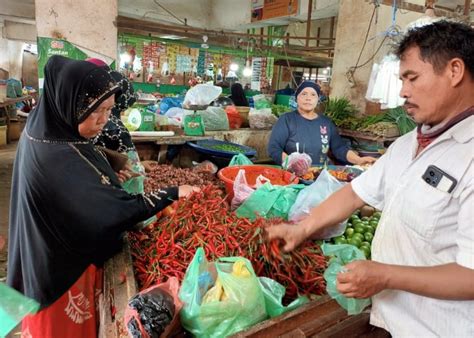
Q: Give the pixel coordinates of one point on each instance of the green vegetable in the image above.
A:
(279, 109)
(399, 116)
(226, 147)
(339, 110)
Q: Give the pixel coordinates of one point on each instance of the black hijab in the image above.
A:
(115, 135)
(238, 95)
(67, 207)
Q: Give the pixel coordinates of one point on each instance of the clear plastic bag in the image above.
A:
(202, 94)
(342, 254)
(262, 118)
(261, 101)
(214, 118)
(313, 195)
(298, 163)
(154, 312)
(242, 190)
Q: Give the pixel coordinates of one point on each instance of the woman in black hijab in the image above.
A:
(68, 211)
(238, 95)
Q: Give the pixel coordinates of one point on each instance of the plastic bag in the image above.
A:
(201, 94)
(262, 119)
(243, 306)
(154, 311)
(13, 308)
(170, 102)
(273, 293)
(193, 125)
(214, 118)
(242, 189)
(270, 201)
(14, 88)
(240, 159)
(342, 255)
(205, 166)
(261, 101)
(235, 121)
(298, 163)
(135, 185)
(313, 195)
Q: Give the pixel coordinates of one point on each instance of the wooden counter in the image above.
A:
(320, 318)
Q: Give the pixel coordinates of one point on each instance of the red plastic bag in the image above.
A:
(164, 293)
(235, 121)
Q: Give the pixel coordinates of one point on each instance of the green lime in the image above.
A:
(340, 240)
(377, 214)
(365, 243)
(368, 237)
(358, 236)
(366, 251)
(355, 242)
(365, 218)
(359, 229)
(349, 232)
(370, 229)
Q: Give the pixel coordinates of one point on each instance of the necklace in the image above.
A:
(103, 178)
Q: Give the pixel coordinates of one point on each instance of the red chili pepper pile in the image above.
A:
(166, 247)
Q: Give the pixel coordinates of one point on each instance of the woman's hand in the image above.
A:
(124, 175)
(366, 160)
(186, 190)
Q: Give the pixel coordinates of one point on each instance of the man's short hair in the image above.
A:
(440, 42)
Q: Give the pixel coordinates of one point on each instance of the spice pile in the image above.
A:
(166, 247)
(163, 176)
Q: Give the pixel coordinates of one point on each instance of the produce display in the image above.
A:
(226, 147)
(343, 174)
(165, 248)
(280, 109)
(162, 176)
(360, 232)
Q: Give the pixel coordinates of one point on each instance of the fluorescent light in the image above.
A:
(247, 72)
(234, 67)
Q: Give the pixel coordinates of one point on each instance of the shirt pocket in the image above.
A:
(421, 206)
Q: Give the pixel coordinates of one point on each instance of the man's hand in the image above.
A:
(362, 279)
(292, 235)
(186, 190)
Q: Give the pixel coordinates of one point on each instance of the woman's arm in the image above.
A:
(354, 158)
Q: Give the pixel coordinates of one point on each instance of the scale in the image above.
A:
(193, 125)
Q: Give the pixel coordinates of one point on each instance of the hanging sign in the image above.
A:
(270, 9)
(256, 73)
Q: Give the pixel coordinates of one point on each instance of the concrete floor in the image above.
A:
(7, 156)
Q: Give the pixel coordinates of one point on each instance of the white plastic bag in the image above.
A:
(242, 190)
(201, 94)
(313, 195)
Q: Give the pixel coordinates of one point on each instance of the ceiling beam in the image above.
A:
(419, 8)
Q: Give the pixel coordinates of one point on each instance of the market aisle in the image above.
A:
(7, 155)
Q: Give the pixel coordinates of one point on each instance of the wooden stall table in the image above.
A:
(4, 112)
(357, 135)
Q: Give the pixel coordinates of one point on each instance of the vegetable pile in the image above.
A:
(359, 232)
(166, 247)
(163, 176)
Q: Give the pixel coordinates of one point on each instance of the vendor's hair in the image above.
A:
(440, 42)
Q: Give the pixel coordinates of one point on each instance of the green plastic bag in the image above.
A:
(13, 307)
(240, 159)
(270, 201)
(244, 307)
(342, 255)
(273, 293)
(135, 185)
(193, 125)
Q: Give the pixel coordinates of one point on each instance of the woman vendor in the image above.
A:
(68, 211)
(316, 134)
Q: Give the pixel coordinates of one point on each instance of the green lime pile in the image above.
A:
(359, 232)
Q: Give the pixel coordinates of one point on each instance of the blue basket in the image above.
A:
(205, 147)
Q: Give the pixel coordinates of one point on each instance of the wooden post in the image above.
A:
(467, 7)
(287, 39)
(318, 34)
(308, 22)
(262, 32)
(331, 34)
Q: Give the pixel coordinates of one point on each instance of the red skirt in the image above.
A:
(75, 314)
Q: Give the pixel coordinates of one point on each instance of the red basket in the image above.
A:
(275, 175)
